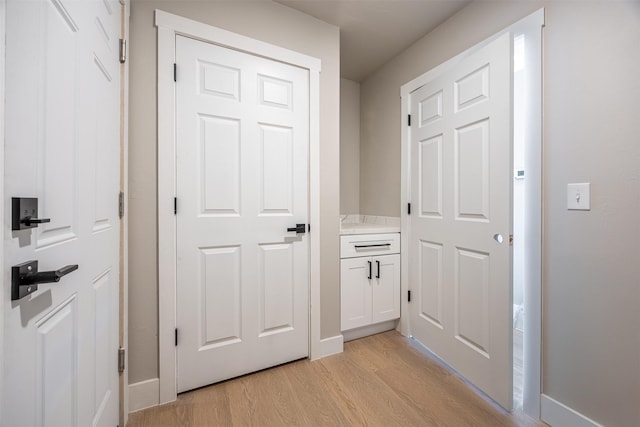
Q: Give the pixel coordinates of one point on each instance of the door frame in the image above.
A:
(169, 26)
(123, 303)
(5, 275)
(531, 25)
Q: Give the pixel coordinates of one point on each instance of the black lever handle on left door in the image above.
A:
(25, 278)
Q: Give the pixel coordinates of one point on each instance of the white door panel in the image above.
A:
(62, 146)
(242, 180)
(461, 183)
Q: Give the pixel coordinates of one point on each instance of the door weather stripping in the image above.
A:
(123, 51)
(121, 360)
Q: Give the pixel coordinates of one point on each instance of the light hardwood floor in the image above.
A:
(381, 380)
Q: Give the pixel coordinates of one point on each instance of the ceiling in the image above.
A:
(374, 31)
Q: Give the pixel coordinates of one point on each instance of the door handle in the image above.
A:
(299, 228)
(369, 277)
(25, 278)
(378, 275)
(24, 213)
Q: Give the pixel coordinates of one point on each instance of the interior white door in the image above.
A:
(62, 146)
(460, 258)
(242, 181)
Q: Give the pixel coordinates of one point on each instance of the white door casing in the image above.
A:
(62, 146)
(459, 254)
(242, 181)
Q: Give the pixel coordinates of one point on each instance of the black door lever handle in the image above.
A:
(25, 278)
(299, 228)
(28, 221)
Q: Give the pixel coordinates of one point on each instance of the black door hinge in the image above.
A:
(409, 120)
(122, 51)
(408, 208)
(121, 205)
(121, 360)
(408, 296)
(175, 72)
(175, 206)
(176, 332)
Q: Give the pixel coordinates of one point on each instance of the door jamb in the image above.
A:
(531, 25)
(123, 300)
(170, 25)
(5, 204)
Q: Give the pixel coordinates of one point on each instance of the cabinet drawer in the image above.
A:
(369, 244)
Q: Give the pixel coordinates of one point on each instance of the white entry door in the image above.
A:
(460, 259)
(242, 181)
(62, 146)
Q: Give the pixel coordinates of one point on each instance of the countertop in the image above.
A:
(367, 228)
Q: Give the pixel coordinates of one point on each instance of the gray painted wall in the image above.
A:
(349, 147)
(591, 273)
(263, 20)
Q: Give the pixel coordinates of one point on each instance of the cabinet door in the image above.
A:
(356, 292)
(386, 288)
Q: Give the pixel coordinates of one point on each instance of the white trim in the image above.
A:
(144, 394)
(331, 346)
(169, 26)
(124, 307)
(2, 133)
(181, 25)
(531, 25)
(557, 414)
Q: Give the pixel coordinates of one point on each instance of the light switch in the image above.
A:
(579, 196)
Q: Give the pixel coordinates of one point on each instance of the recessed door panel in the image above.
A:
(57, 366)
(472, 171)
(56, 113)
(219, 80)
(431, 177)
(472, 299)
(430, 282)
(277, 279)
(472, 88)
(220, 310)
(220, 167)
(430, 109)
(275, 92)
(276, 149)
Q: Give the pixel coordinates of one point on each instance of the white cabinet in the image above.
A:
(370, 285)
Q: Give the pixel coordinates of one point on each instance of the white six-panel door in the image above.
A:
(62, 146)
(242, 180)
(459, 265)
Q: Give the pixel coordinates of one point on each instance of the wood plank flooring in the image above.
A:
(381, 380)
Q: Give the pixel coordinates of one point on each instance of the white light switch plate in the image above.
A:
(579, 196)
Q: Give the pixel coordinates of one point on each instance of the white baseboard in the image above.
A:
(557, 414)
(144, 394)
(332, 345)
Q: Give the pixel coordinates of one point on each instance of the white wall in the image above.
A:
(349, 147)
(263, 20)
(591, 273)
